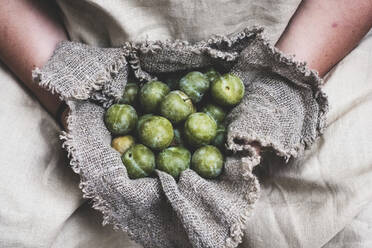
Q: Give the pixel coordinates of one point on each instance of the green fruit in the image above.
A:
(194, 84)
(220, 138)
(228, 90)
(120, 119)
(177, 139)
(200, 129)
(122, 143)
(151, 95)
(207, 161)
(212, 75)
(156, 132)
(139, 161)
(141, 120)
(130, 94)
(176, 106)
(173, 160)
(214, 111)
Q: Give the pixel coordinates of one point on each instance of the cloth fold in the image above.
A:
(40, 199)
(283, 107)
(159, 212)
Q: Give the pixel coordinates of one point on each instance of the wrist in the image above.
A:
(293, 42)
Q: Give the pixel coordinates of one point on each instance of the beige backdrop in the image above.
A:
(324, 199)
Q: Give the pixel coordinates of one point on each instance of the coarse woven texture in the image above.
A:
(77, 71)
(283, 107)
(160, 212)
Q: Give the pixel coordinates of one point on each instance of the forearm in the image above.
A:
(29, 32)
(322, 32)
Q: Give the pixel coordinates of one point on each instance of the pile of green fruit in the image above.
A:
(184, 127)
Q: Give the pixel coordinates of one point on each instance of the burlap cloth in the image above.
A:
(160, 212)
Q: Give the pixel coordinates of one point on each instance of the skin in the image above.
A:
(29, 33)
(334, 28)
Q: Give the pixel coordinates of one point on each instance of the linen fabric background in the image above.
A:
(323, 199)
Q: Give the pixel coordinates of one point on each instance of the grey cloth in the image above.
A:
(283, 107)
(77, 70)
(160, 212)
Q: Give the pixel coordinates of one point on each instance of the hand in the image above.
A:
(283, 107)
(323, 32)
(334, 28)
(29, 33)
(274, 113)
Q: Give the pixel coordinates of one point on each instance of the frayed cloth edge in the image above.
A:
(101, 205)
(237, 229)
(86, 186)
(132, 49)
(311, 78)
(83, 92)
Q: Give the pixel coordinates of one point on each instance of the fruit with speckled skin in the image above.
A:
(220, 139)
(173, 160)
(212, 74)
(228, 90)
(195, 84)
(120, 119)
(207, 161)
(216, 112)
(122, 143)
(176, 106)
(139, 161)
(141, 120)
(199, 129)
(151, 95)
(156, 132)
(130, 94)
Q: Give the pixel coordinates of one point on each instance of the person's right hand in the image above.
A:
(274, 113)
